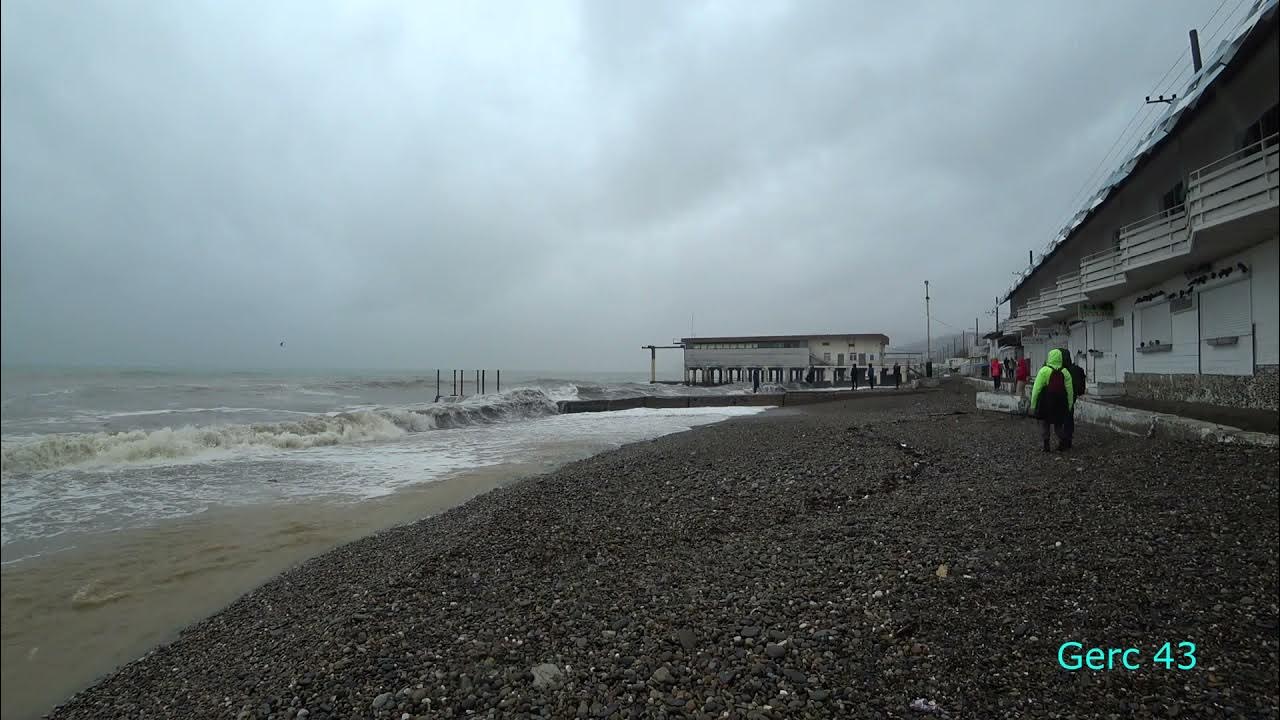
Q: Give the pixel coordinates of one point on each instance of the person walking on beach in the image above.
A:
(1077, 385)
(854, 374)
(897, 376)
(996, 370)
(871, 376)
(1053, 399)
(1021, 375)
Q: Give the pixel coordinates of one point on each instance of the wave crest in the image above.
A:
(50, 452)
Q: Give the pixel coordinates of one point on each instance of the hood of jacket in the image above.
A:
(1055, 359)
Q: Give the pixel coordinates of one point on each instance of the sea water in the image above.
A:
(137, 501)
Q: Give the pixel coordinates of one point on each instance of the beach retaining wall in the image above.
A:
(1131, 421)
(702, 401)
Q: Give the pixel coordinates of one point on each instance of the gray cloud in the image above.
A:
(539, 186)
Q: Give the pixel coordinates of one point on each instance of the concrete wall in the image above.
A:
(1250, 391)
(745, 357)
(858, 346)
(870, 345)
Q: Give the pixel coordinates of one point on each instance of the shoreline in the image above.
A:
(734, 568)
(157, 580)
(153, 581)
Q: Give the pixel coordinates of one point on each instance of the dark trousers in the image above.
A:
(855, 377)
(996, 378)
(1064, 427)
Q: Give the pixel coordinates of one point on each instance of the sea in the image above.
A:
(136, 501)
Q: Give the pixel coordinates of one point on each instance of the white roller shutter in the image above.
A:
(1226, 330)
(1077, 342)
(1155, 326)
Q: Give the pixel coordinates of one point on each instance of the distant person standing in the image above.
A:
(755, 381)
(1021, 375)
(1053, 400)
(871, 376)
(996, 372)
(854, 374)
(897, 375)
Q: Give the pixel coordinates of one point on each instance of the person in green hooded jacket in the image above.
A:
(1052, 400)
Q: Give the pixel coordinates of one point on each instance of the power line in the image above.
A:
(1093, 178)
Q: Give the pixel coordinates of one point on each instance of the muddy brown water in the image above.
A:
(73, 616)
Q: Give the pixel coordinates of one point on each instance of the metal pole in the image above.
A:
(653, 364)
(477, 382)
(437, 383)
(928, 325)
(454, 390)
(1195, 52)
(482, 381)
(499, 383)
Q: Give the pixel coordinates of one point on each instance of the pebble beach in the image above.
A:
(880, 557)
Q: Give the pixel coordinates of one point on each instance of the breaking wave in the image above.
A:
(50, 452)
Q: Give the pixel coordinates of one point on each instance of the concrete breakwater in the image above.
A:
(798, 397)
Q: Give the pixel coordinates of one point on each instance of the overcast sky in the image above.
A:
(544, 185)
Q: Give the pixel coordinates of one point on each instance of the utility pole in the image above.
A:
(928, 326)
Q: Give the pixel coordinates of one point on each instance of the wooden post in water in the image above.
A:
(482, 381)
(499, 381)
(477, 382)
(437, 384)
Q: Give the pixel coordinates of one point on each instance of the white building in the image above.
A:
(1165, 285)
(782, 358)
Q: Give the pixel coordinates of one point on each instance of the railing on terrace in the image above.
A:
(1246, 181)
(1100, 270)
(1155, 237)
(1070, 288)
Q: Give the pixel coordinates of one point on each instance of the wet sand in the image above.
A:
(71, 616)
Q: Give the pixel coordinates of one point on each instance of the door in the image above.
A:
(1102, 360)
(840, 359)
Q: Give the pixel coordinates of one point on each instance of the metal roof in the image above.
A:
(1200, 82)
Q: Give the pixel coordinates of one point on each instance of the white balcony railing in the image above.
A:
(1242, 183)
(1155, 238)
(1070, 289)
(1101, 270)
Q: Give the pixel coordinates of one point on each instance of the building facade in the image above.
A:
(1165, 286)
(781, 358)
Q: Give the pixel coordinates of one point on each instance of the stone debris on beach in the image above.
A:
(810, 587)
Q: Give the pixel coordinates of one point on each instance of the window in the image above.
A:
(1262, 129)
(1173, 199)
(1182, 304)
(826, 343)
(871, 357)
(1118, 322)
(826, 357)
(840, 359)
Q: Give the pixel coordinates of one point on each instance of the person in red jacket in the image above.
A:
(996, 369)
(1022, 375)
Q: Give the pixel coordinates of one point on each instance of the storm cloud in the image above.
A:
(542, 185)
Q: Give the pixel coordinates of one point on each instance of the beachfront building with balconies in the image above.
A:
(824, 358)
(1164, 286)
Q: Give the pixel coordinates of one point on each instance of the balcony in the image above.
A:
(1070, 289)
(1236, 186)
(1049, 302)
(1101, 272)
(1154, 239)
